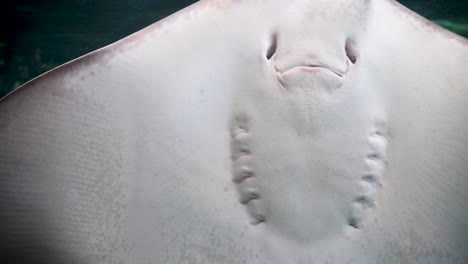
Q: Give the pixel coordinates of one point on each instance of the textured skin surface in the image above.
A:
(245, 132)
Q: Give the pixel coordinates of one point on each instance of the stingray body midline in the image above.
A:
(245, 132)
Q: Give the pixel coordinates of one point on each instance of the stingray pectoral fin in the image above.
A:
(60, 168)
(422, 82)
(114, 155)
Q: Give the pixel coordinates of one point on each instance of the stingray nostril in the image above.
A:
(351, 50)
(272, 49)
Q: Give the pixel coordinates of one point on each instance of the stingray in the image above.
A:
(245, 132)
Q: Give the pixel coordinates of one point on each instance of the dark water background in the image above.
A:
(37, 35)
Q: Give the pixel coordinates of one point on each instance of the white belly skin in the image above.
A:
(245, 132)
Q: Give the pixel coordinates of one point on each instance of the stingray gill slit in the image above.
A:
(372, 179)
(242, 169)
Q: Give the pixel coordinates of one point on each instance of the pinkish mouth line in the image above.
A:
(339, 73)
(313, 66)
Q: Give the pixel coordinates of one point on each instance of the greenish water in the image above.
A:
(38, 35)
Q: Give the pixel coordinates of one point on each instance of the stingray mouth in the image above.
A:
(311, 75)
(314, 69)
